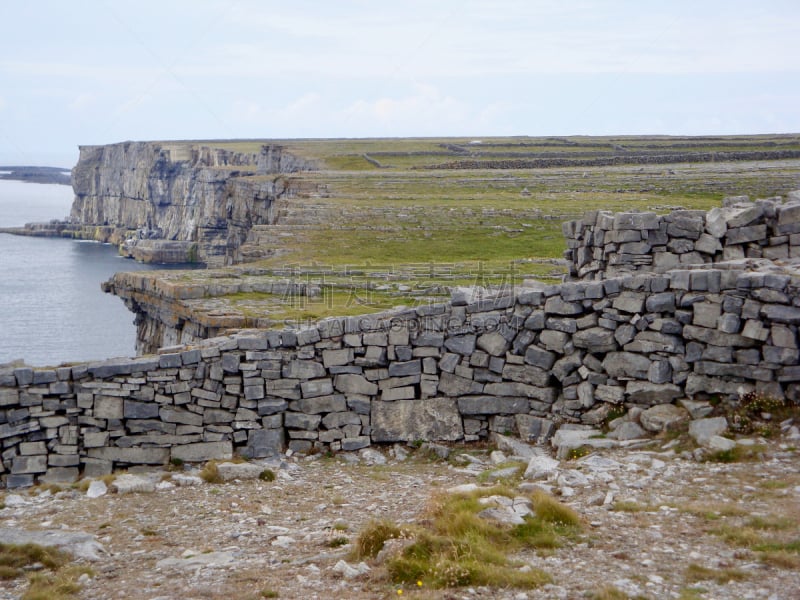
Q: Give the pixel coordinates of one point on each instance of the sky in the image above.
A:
(89, 72)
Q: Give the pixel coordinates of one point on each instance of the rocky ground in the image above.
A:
(658, 524)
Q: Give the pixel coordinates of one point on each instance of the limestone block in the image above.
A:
(358, 384)
(789, 315)
(320, 404)
(644, 392)
(271, 406)
(177, 415)
(108, 407)
(534, 429)
(303, 370)
(491, 405)
(742, 216)
(783, 336)
(520, 390)
(527, 374)
(332, 358)
(595, 340)
(708, 244)
(493, 343)
(781, 356)
(610, 393)
(663, 417)
(126, 483)
(636, 221)
(356, 443)
(706, 314)
(715, 369)
(133, 409)
(95, 439)
(554, 341)
(60, 475)
(702, 430)
(715, 337)
(316, 387)
(403, 368)
(539, 357)
(431, 419)
(461, 344)
(626, 365)
(398, 393)
(743, 235)
(21, 465)
(453, 385)
(296, 420)
(134, 456)
(555, 305)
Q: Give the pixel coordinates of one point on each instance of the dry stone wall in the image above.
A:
(604, 244)
(524, 362)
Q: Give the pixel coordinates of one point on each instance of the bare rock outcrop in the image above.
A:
(179, 202)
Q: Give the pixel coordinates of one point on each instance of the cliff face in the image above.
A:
(180, 202)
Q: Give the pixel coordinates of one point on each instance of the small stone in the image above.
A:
(541, 467)
(372, 456)
(283, 541)
(701, 430)
(349, 571)
(96, 489)
(628, 430)
(497, 457)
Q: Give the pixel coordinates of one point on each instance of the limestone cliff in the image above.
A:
(180, 202)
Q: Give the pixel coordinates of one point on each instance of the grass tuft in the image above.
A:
(695, 572)
(267, 475)
(456, 547)
(371, 539)
(210, 473)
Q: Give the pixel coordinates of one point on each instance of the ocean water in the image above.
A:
(52, 309)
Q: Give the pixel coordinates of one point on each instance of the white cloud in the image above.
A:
(424, 111)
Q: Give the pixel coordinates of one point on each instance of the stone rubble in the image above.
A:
(276, 535)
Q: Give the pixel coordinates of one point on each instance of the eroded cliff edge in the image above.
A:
(179, 202)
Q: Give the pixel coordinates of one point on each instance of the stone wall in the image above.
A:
(604, 244)
(524, 362)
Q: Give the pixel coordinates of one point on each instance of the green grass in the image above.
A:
(456, 547)
(468, 227)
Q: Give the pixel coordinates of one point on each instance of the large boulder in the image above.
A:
(433, 419)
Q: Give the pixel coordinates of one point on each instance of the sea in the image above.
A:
(52, 310)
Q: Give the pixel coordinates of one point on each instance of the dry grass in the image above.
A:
(695, 573)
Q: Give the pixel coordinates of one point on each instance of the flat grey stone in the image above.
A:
(78, 544)
(702, 430)
(127, 483)
(433, 419)
(541, 467)
(229, 471)
(662, 417)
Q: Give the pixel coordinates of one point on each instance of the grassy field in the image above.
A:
(380, 222)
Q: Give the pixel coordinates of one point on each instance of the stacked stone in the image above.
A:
(521, 362)
(444, 372)
(604, 244)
